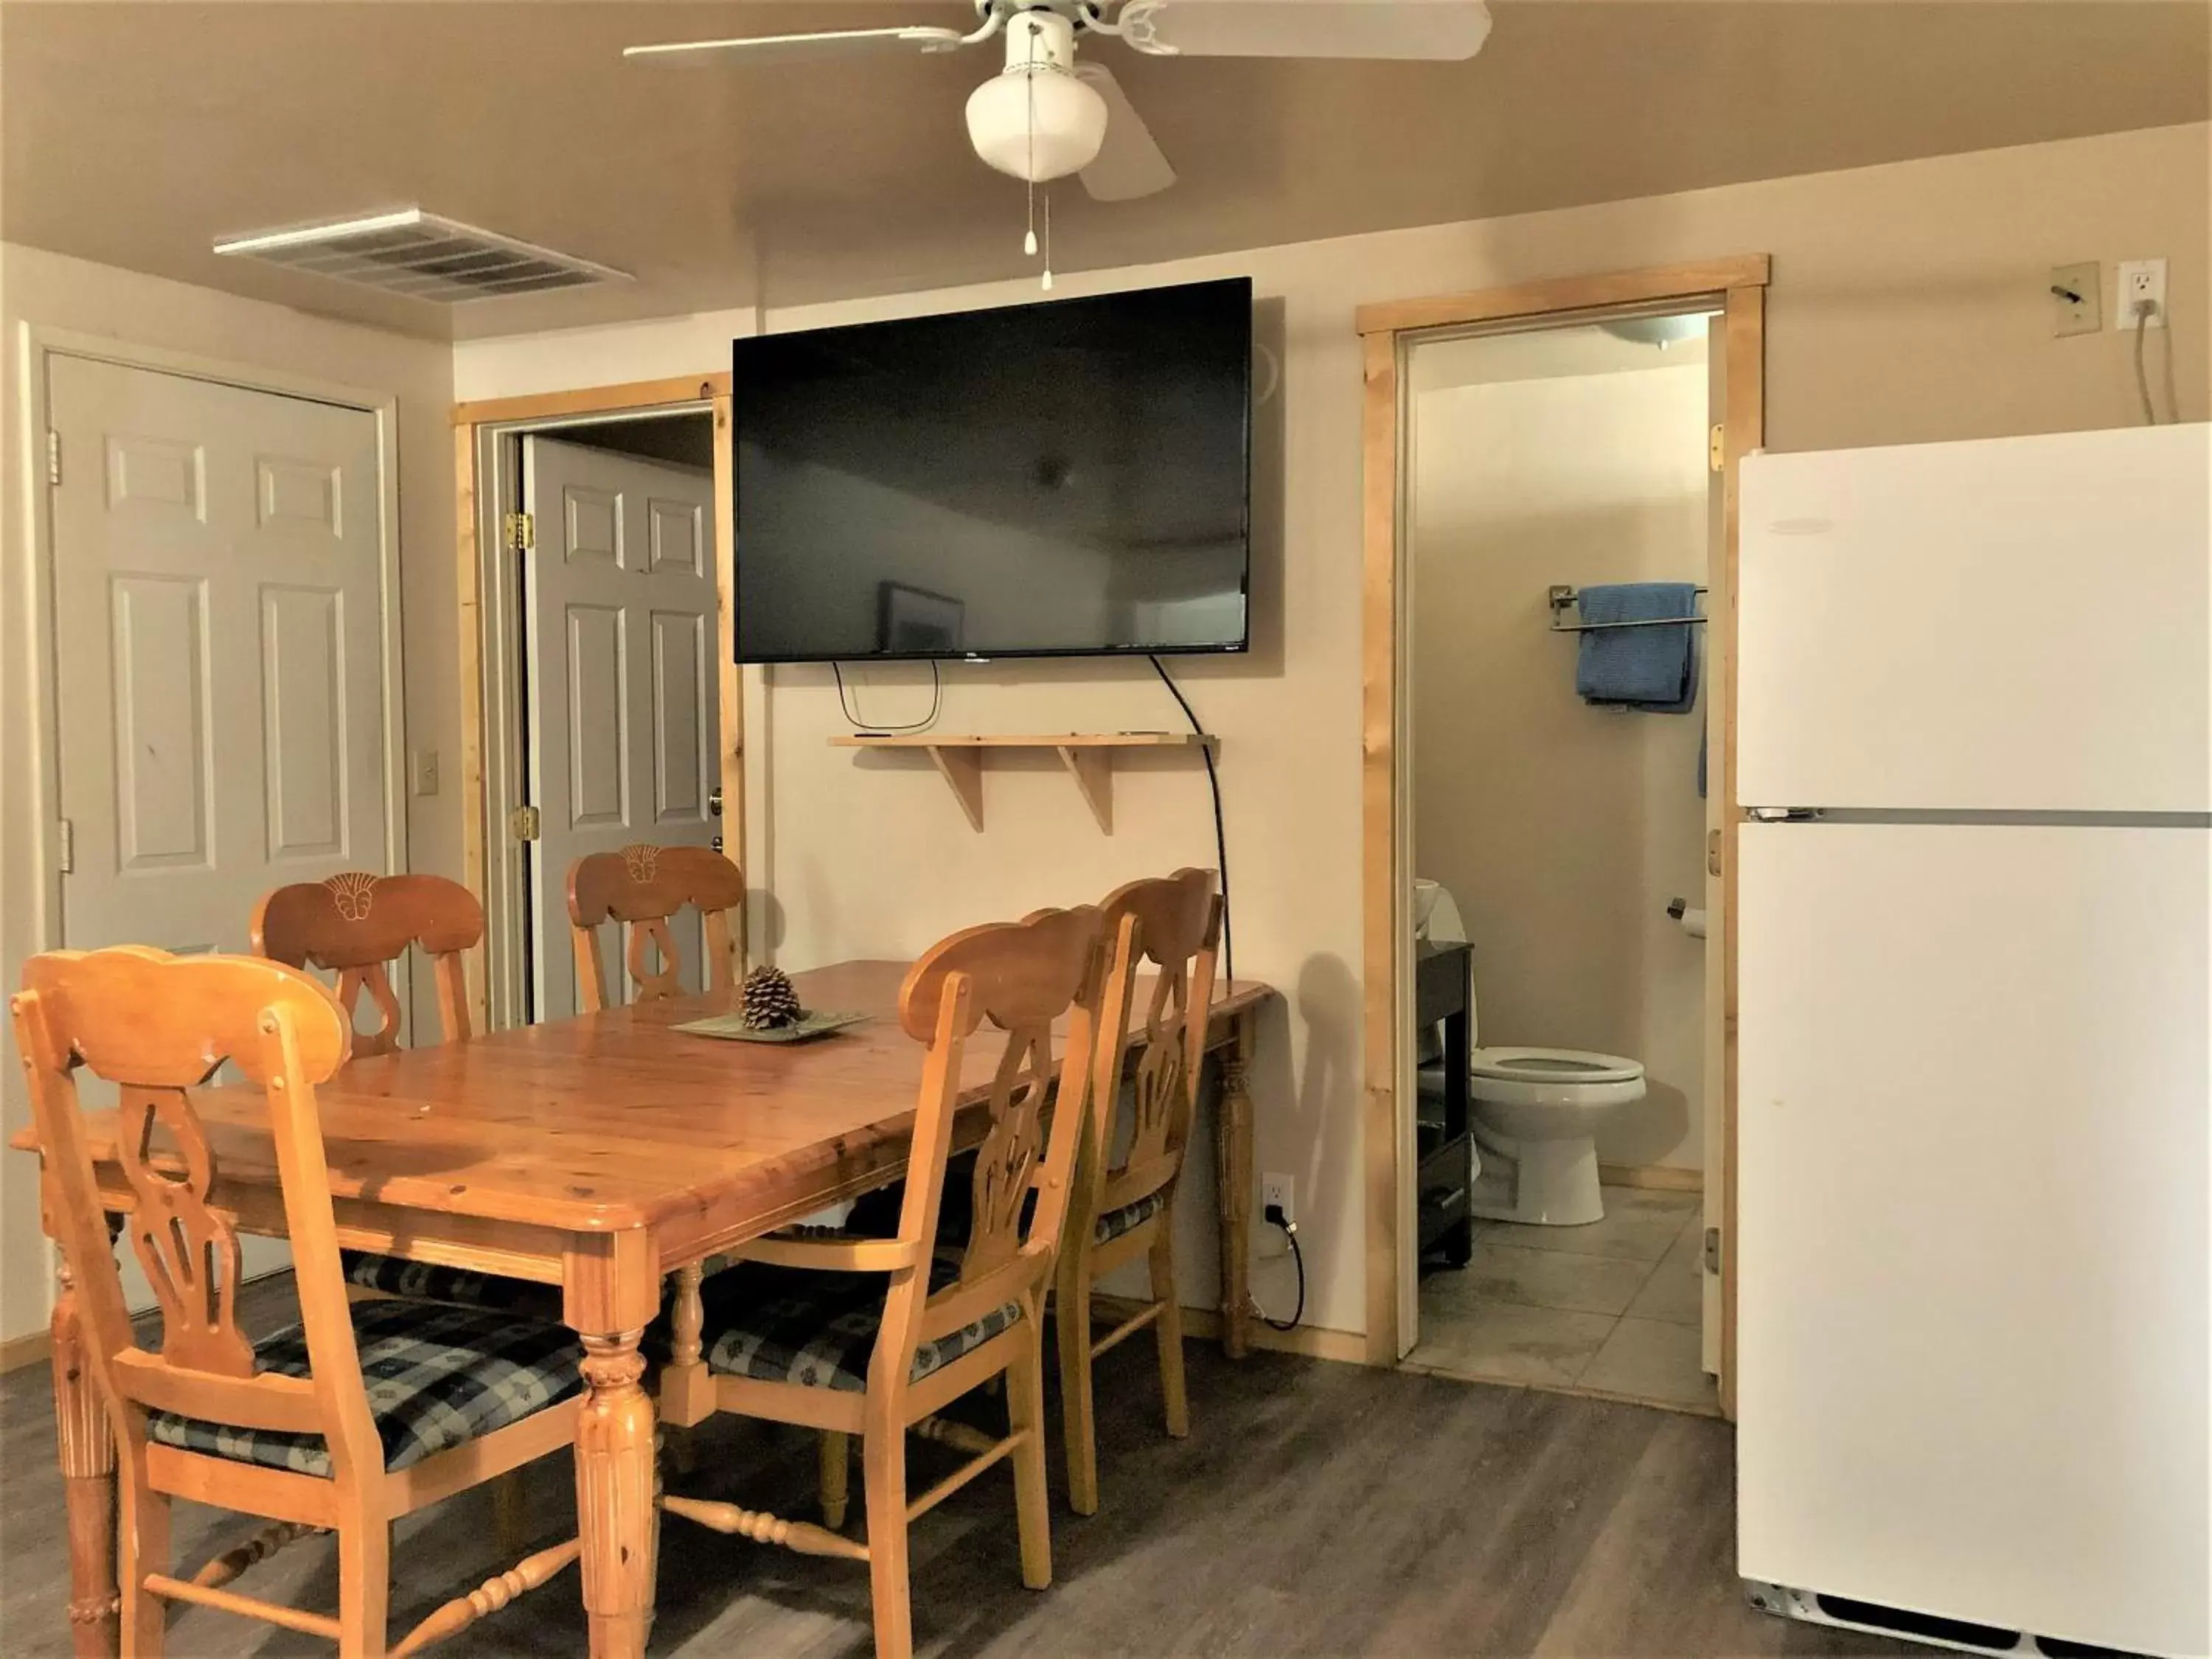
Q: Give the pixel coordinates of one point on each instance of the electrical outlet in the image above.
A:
(2140, 280)
(2075, 300)
(1276, 1190)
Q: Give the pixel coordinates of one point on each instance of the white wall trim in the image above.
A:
(40, 343)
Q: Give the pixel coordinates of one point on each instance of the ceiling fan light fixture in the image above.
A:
(1069, 123)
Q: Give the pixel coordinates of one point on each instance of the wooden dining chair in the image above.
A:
(356, 924)
(644, 885)
(1122, 1211)
(874, 1336)
(357, 1415)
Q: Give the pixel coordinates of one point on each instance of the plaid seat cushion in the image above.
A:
(795, 1325)
(459, 1288)
(1130, 1216)
(436, 1376)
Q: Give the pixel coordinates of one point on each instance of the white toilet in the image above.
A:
(1536, 1111)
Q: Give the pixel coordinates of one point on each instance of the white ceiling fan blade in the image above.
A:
(1439, 29)
(783, 48)
(1129, 163)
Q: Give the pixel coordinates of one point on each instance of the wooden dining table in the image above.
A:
(599, 1154)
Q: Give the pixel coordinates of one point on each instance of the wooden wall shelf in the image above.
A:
(1088, 757)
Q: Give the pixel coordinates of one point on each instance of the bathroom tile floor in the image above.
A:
(1610, 1308)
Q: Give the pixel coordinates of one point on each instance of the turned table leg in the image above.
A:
(88, 1460)
(1233, 1130)
(617, 1497)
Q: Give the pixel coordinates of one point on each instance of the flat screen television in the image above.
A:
(1067, 478)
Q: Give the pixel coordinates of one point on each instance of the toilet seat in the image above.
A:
(1551, 1065)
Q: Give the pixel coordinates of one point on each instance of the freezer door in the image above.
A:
(1973, 1319)
(2020, 624)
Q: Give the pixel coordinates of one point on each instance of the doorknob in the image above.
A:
(714, 800)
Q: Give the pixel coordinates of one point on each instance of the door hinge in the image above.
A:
(1712, 1249)
(1716, 447)
(1712, 852)
(523, 823)
(68, 852)
(53, 456)
(520, 532)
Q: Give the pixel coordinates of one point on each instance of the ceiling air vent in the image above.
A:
(418, 253)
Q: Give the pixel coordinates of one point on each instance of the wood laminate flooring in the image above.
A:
(1318, 1509)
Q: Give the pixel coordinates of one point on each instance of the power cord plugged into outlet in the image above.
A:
(1273, 1216)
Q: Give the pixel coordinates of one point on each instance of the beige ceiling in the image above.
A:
(136, 133)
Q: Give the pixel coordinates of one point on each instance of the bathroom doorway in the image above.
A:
(1545, 464)
(1558, 505)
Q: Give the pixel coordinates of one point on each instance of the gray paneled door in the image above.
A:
(622, 710)
(219, 655)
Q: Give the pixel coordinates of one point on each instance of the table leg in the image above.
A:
(88, 1461)
(1233, 1131)
(617, 1497)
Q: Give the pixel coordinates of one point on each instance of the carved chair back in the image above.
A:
(356, 924)
(644, 885)
(157, 1027)
(1178, 920)
(1023, 976)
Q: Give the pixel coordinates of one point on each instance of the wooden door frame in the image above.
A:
(478, 429)
(1737, 287)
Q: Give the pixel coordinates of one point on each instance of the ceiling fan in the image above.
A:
(1044, 116)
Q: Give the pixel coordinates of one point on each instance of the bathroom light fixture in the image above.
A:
(1661, 331)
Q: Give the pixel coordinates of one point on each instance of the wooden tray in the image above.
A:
(819, 1022)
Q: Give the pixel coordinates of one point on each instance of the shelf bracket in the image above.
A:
(1093, 772)
(962, 768)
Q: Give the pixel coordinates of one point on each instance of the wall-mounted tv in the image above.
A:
(1067, 478)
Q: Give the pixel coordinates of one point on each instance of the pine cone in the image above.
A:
(770, 1003)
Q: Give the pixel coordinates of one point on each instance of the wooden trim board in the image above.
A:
(1745, 334)
(595, 400)
(29, 1349)
(1548, 297)
(1379, 812)
(1655, 1177)
(1740, 284)
(1308, 1341)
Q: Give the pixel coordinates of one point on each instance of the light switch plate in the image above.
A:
(424, 770)
(2082, 315)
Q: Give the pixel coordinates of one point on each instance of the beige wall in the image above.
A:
(1561, 829)
(1909, 303)
(44, 289)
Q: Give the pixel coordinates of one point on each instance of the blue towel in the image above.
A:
(1651, 669)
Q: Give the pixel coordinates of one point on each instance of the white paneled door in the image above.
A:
(620, 657)
(219, 651)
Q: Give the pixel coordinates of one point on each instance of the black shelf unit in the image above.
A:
(1443, 995)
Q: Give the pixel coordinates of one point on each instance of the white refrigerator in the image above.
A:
(1975, 1324)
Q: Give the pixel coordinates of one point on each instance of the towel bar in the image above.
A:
(1560, 597)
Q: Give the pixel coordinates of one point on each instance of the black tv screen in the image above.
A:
(1066, 478)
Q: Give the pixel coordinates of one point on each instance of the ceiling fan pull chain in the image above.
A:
(1048, 241)
(1030, 239)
